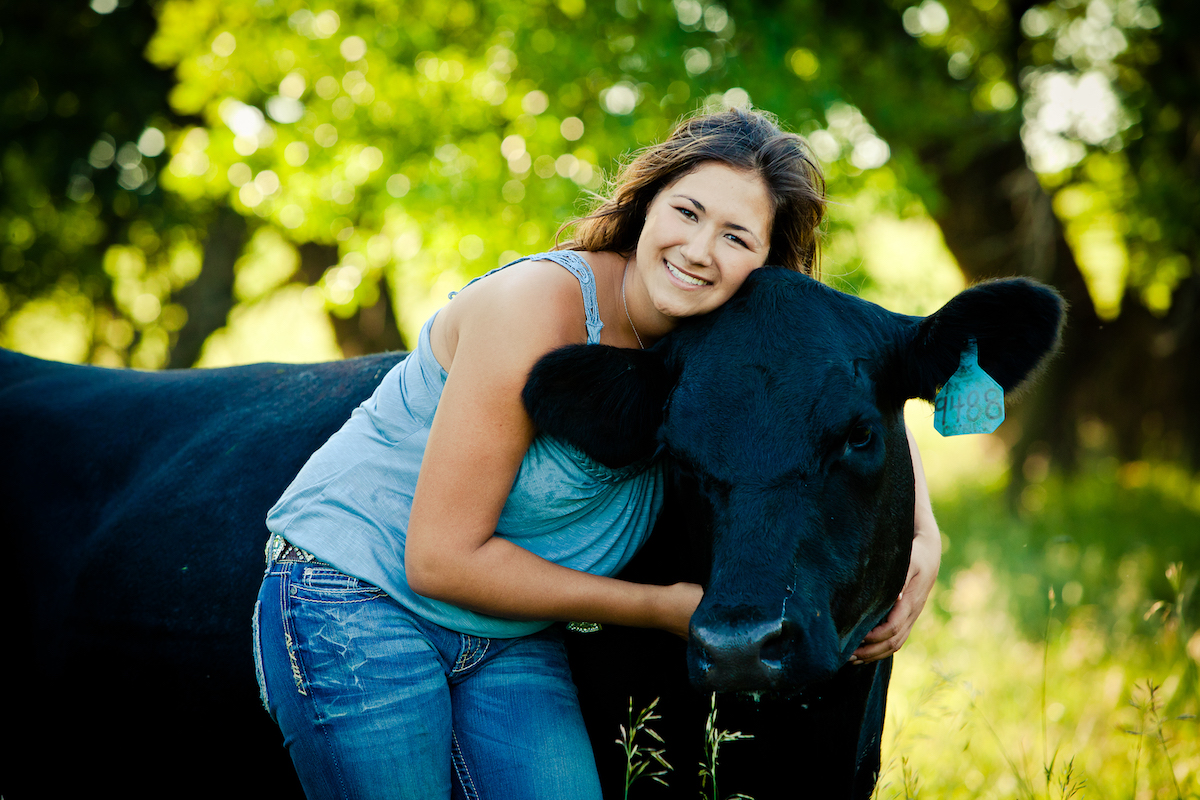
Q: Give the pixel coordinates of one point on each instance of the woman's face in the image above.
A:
(703, 235)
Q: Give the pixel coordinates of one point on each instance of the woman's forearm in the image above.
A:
(503, 579)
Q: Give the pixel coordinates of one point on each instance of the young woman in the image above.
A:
(403, 627)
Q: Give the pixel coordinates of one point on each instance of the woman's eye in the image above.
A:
(687, 212)
(735, 239)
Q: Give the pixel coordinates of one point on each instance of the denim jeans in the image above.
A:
(376, 702)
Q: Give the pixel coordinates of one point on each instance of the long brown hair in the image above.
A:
(745, 140)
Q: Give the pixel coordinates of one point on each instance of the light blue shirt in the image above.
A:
(350, 504)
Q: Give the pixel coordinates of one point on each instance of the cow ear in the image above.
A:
(607, 401)
(1015, 322)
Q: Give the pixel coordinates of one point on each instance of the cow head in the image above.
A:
(782, 416)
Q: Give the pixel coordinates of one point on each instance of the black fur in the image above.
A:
(770, 502)
(607, 401)
(1015, 322)
(133, 526)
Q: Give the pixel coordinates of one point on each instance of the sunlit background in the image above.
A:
(200, 183)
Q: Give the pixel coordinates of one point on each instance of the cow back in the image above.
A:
(135, 506)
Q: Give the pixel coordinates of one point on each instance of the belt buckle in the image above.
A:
(280, 549)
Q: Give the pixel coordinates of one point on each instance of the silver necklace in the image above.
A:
(631, 325)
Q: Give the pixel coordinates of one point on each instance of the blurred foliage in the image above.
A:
(428, 123)
(84, 226)
(397, 149)
(433, 146)
(1105, 113)
(1106, 538)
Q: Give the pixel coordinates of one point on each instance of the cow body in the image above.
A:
(135, 506)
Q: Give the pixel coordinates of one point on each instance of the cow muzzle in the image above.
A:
(739, 649)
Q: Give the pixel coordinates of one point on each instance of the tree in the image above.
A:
(400, 151)
(88, 226)
(1084, 176)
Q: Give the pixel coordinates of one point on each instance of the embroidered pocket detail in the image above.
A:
(472, 649)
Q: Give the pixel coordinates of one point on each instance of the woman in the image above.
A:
(403, 627)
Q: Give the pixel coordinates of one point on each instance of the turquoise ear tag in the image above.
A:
(971, 401)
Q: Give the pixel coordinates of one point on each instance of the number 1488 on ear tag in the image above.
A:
(971, 401)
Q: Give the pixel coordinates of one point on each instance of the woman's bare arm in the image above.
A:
(478, 438)
(890, 635)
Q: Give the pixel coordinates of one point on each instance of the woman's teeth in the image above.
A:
(685, 277)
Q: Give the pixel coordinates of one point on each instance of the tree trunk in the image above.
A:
(1135, 375)
(371, 329)
(1127, 386)
(209, 298)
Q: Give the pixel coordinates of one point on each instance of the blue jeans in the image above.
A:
(376, 702)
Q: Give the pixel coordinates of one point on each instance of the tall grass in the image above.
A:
(649, 762)
(1059, 656)
(714, 737)
(1000, 694)
(642, 761)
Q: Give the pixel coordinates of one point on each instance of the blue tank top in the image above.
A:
(349, 506)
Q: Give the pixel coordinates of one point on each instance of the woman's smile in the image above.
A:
(706, 232)
(685, 277)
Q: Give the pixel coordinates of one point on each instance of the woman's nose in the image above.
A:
(699, 248)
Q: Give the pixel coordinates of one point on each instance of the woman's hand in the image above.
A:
(888, 637)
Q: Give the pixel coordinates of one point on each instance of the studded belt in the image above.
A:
(280, 549)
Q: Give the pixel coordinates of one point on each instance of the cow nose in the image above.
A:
(744, 656)
(742, 650)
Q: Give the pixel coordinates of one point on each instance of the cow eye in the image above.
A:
(860, 437)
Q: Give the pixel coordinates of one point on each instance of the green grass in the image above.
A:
(1059, 654)
(642, 761)
(714, 737)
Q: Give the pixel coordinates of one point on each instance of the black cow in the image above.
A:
(134, 507)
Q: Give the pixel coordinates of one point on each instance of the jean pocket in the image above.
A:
(321, 607)
(323, 584)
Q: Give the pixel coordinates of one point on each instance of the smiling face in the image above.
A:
(703, 235)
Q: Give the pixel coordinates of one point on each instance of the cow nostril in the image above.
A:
(743, 654)
(776, 645)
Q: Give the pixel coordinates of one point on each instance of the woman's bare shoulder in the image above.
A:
(526, 309)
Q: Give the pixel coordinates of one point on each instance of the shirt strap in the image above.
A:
(577, 266)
